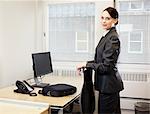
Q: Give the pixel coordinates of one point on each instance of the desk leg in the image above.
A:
(60, 111)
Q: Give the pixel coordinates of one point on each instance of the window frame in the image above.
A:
(86, 41)
(140, 41)
(126, 26)
(77, 52)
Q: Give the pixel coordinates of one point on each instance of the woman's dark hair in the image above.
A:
(113, 13)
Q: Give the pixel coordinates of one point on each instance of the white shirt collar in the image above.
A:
(105, 32)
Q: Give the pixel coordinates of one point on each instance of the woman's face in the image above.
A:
(107, 21)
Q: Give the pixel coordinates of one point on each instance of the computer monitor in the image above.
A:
(42, 65)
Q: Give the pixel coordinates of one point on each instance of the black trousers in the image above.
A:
(109, 103)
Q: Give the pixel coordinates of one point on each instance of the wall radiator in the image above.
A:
(136, 86)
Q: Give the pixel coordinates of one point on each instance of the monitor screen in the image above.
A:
(42, 63)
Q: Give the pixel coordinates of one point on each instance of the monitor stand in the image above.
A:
(38, 83)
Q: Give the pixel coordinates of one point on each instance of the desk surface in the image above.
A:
(8, 106)
(52, 101)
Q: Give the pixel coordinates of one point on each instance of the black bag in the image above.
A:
(87, 93)
(58, 90)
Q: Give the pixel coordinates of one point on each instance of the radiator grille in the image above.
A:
(64, 72)
(127, 76)
(135, 76)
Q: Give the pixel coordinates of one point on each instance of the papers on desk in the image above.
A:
(9, 106)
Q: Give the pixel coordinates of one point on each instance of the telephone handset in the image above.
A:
(24, 87)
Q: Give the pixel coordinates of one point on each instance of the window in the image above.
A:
(134, 31)
(135, 42)
(130, 5)
(81, 42)
(147, 5)
(136, 5)
(71, 31)
(124, 6)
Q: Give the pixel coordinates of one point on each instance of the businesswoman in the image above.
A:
(107, 80)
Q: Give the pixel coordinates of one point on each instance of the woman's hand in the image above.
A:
(80, 66)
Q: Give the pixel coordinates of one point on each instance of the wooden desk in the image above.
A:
(54, 102)
(8, 106)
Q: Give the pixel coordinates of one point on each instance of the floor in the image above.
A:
(76, 110)
(127, 112)
(123, 112)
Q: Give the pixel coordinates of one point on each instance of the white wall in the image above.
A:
(17, 40)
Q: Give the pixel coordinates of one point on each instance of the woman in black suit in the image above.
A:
(107, 80)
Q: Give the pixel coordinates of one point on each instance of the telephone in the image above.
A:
(24, 87)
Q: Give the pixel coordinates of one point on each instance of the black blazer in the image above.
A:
(104, 64)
